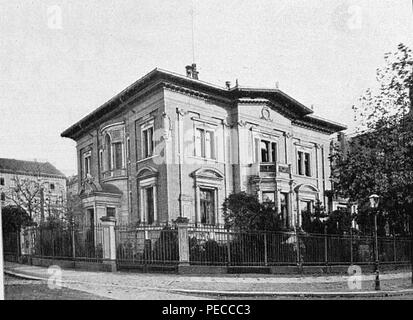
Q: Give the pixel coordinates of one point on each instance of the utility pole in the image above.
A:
(1, 260)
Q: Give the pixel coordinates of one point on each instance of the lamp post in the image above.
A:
(374, 202)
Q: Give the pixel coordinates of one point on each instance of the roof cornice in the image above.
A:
(159, 78)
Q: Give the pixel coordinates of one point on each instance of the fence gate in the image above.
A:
(147, 248)
(11, 246)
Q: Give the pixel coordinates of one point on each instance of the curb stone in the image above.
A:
(305, 294)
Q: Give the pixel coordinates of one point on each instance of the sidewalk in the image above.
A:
(122, 285)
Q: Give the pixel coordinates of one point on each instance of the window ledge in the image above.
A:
(204, 159)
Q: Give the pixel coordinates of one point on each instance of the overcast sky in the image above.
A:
(60, 60)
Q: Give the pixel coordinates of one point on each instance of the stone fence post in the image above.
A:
(183, 242)
(109, 242)
(26, 241)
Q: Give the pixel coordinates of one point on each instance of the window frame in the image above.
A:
(86, 163)
(304, 166)
(144, 184)
(202, 153)
(213, 192)
(114, 211)
(149, 144)
(268, 192)
(116, 165)
(272, 152)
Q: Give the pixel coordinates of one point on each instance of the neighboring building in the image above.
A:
(39, 180)
(171, 145)
(341, 143)
(72, 185)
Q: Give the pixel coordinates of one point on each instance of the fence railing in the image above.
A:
(146, 244)
(81, 243)
(11, 246)
(206, 245)
(217, 246)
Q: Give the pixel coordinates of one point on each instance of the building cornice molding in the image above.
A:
(195, 93)
(23, 173)
(280, 108)
(164, 80)
(304, 124)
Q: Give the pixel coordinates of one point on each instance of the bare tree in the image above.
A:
(27, 192)
(27, 195)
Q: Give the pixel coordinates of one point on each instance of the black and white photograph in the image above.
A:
(206, 155)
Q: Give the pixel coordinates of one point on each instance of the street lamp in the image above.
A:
(374, 203)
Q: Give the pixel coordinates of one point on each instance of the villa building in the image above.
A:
(173, 146)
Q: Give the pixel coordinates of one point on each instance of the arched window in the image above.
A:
(108, 147)
(3, 197)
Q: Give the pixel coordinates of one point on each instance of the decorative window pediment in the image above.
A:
(306, 188)
(147, 172)
(210, 173)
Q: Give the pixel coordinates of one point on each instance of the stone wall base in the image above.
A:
(70, 264)
(111, 266)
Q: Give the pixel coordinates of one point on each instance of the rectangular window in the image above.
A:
(307, 164)
(204, 143)
(268, 196)
(1, 181)
(110, 212)
(265, 152)
(101, 159)
(284, 207)
(149, 205)
(207, 205)
(273, 152)
(304, 164)
(268, 151)
(86, 164)
(299, 163)
(117, 153)
(147, 142)
(128, 148)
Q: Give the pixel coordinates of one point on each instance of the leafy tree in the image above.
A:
(379, 160)
(14, 218)
(339, 222)
(312, 221)
(245, 212)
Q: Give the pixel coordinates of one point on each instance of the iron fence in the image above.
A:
(11, 246)
(65, 242)
(142, 245)
(146, 244)
(219, 246)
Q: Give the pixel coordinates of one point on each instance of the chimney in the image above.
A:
(228, 84)
(191, 71)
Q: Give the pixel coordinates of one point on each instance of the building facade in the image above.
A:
(172, 146)
(38, 187)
